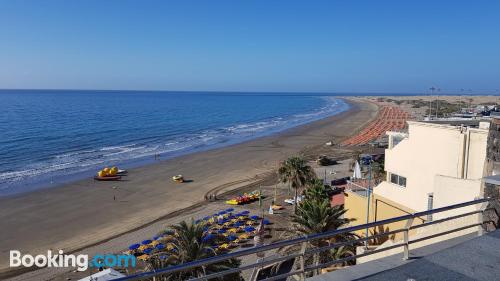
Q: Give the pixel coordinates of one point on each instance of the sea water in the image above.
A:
(52, 136)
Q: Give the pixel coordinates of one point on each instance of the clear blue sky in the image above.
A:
(327, 46)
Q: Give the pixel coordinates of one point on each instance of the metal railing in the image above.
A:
(357, 187)
(305, 240)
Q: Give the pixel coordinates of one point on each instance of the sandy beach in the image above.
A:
(84, 213)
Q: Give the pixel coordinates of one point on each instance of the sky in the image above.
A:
(279, 46)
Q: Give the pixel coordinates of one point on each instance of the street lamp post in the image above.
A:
(367, 161)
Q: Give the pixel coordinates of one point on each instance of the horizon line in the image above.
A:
(383, 93)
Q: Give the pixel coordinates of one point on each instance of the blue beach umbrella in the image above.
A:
(156, 237)
(249, 229)
(160, 246)
(229, 210)
(163, 257)
(148, 251)
(134, 247)
(206, 218)
(208, 238)
(237, 224)
(222, 212)
(197, 221)
(266, 222)
(146, 242)
(245, 212)
(231, 237)
(254, 217)
(221, 231)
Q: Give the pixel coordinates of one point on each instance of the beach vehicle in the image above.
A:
(245, 198)
(178, 178)
(107, 178)
(108, 174)
(232, 202)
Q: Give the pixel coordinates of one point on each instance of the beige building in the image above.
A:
(434, 165)
(431, 166)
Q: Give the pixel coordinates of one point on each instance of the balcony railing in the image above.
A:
(358, 187)
(305, 240)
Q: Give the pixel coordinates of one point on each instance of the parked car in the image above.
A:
(323, 160)
(340, 181)
(292, 200)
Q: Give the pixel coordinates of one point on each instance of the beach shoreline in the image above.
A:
(77, 215)
(86, 141)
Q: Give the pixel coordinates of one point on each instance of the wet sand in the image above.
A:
(80, 214)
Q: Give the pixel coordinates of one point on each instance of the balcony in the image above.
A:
(463, 258)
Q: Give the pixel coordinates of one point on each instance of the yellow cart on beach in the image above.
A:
(178, 178)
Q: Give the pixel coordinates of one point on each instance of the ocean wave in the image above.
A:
(75, 162)
(107, 148)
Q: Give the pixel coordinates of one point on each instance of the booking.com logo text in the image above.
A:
(80, 262)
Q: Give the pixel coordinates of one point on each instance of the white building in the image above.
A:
(434, 165)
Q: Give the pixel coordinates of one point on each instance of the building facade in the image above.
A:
(431, 166)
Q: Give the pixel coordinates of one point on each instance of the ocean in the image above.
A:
(54, 136)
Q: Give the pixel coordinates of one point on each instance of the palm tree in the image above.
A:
(296, 172)
(317, 216)
(189, 245)
(316, 191)
(341, 253)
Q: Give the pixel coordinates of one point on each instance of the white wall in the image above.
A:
(452, 191)
(476, 154)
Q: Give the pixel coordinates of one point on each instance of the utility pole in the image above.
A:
(437, 103)
(460, 100)
(430, 101)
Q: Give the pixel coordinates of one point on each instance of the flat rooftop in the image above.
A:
(463, 258)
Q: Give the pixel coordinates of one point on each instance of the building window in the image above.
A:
(394, 178)
(402, 181)
(397, 179)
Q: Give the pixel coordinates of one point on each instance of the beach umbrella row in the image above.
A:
(229, 226)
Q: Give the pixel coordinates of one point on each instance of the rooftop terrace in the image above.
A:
(463, 258)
